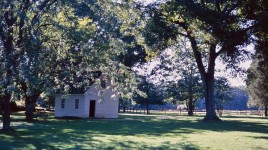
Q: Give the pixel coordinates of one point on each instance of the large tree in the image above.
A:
(20, 36)
(214, 29)
(35, 38)
(257, 86)
(59, 48)
(258, 72)
(42, 37)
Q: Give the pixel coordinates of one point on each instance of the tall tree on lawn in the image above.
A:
(214, 29)
(258, 72)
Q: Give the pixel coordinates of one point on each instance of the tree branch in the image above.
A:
(182, 34)
(197, 56)
(217, 3)
(212, 58)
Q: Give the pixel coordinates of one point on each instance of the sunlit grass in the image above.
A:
(132, 131)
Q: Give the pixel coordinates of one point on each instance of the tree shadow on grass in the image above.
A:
(260, 137)
(81, 133)
(247, 117)
(152, 126)
(58, 134)
(137, 145)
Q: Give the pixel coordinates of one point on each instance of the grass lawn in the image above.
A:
(136, 131)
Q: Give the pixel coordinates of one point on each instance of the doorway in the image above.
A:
(92, 107)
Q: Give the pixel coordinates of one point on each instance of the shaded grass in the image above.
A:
(132, 131)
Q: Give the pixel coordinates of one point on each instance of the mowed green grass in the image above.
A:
(136, 131)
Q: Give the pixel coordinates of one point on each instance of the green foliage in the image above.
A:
(188, 88)
(257, 85)
(50, 46)
(207, 24)
(153, 94)
(258, 71)
(223, 93)
(75, 38)
(24, 48)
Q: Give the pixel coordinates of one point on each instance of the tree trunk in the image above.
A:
(210, 101)
(1, 105)
(190, 107)
(30, 107)
(6, 113)
(207, 77)
(144, 110)
(266, 110)
(29, 111)
(190, 90)
(191, 103)
(147, 108)
(147, 99)
(7, 39)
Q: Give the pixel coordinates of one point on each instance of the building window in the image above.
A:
(76, 103)
(62, 103)
(103, 84)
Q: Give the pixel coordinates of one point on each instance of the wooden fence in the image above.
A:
(197, 112)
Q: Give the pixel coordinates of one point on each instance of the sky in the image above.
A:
(234, 81)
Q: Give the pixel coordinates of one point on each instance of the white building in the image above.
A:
(99, 101)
